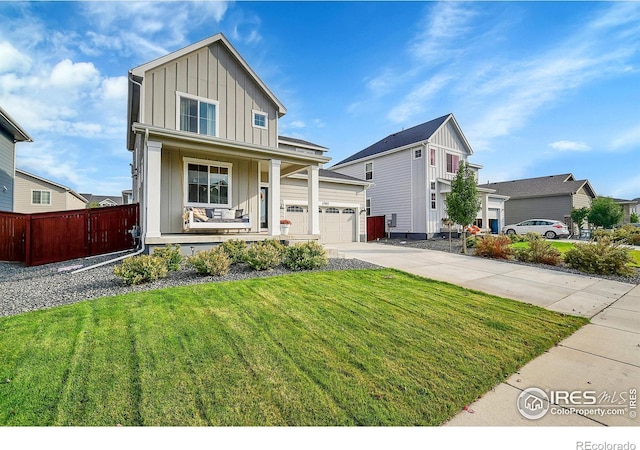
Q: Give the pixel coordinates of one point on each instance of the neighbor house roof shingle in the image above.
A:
(563, 184)
(409, 136)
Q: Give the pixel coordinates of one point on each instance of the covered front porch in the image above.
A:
(215, 176)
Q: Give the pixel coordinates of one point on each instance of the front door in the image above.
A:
(264, 207)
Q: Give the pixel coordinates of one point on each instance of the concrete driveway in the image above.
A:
(601, 360)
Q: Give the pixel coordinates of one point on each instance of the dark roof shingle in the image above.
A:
(539, 186)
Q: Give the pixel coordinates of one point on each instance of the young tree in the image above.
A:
(605, 212)
(462, 203)
(578, 215)
(633, 218)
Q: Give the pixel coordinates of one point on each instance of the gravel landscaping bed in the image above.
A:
(25, 289)
(442, 245)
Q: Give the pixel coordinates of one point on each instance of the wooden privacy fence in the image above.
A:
(43, 238)
(375, 227)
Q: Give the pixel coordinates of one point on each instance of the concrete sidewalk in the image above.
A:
(603, 356)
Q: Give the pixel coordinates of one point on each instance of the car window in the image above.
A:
(526, 223)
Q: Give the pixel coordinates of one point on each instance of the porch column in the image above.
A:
(274, 193)
(152, 188)
(485, 210)
(313, 187)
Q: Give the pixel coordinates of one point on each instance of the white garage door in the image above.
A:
(336, 224)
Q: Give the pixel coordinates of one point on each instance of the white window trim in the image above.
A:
(206, 162)
(199, 99)
(446, 168)
(415, 151)
(41, 191)
(367, 207)
(365, 170)
(435, 156)
(254, 113)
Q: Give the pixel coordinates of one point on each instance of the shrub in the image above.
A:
(171, 256)
(236, 249)
(498, 247)
(141, 269)
(538, 251)
(515, 238)
(214, 262)
(602, 257)
(627, 234)
(309, 255)
(264, 255)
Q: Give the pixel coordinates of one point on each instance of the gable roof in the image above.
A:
(113, 199)
(52, 183)
(563, 184)
(417, 134)
(140, 70)
(11, 126)
(301, 143)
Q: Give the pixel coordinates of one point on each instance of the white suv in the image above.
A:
(549, 228)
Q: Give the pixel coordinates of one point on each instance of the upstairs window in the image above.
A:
(259, 119)
(197, 115)
(368, 207)
(417, 153)
(432, 156)
(40, 197)
(368, 171)
(452, 163)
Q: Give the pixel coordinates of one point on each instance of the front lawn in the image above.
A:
(366, 347)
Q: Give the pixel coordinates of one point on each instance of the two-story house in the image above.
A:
(411, 172)
(209, 164)
(35, 194)
(10, 134)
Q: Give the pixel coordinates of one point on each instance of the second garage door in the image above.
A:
(336, 224)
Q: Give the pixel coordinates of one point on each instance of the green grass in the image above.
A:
(563, 247)
(369, 347)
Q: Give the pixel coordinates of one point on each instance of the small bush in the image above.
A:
(171, 256)
(264, 255)
(141, 269)
(236, 249)
(603, 257)
(515, 238)
(538, 251)
(306, 256)
(498, 247)
(214, 262)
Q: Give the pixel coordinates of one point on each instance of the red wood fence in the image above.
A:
(375, 228)
(43, 238)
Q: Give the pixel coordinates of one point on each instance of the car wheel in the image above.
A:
(511, 231)
(550, 235)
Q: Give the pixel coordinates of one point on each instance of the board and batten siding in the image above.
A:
(517, 210)
(211, 73)
(391, 192)
(7, 171)
(244, 187)
(447, 137)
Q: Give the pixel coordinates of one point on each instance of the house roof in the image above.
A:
(413, 135)
(140, 70)
(563, 184)
(331, 176)
(11, 126)
(53, 183)
(101, 198)
(301, 143)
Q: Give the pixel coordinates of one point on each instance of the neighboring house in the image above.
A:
(127, 197)
(10, 134)
(103, 200)
(549, 197)
(411, 172)
(628, 207)
(34, 194)
(203, 132)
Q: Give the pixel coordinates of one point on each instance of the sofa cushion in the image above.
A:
(199, 215)
(228, 213)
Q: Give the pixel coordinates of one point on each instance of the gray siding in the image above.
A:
(211, 73)
(7, 166)
(419, 188)
(517, 210)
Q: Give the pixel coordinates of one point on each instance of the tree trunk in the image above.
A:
(464, 240)
(450, 249)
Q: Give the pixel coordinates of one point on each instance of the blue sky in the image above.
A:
(538, 88)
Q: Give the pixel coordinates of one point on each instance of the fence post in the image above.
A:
(27, 241)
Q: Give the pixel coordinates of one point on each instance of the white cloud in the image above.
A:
(114, 88)
(11, 59)
(626, 139)
(417, 100)
(69, 75)
(570, 146)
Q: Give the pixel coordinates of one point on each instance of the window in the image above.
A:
(417, 153)
(433, 200)
(433, 185)
(348, 211)
(40, 197)
(368, 171)
(197, 115)
(259, 119)
(208, 183)
(294, 209)
(452, 163)
(332, 211)
(432, 156)
(368, 207)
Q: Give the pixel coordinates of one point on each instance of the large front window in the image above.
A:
(452, 163)
(198, 115)
(208, 183)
